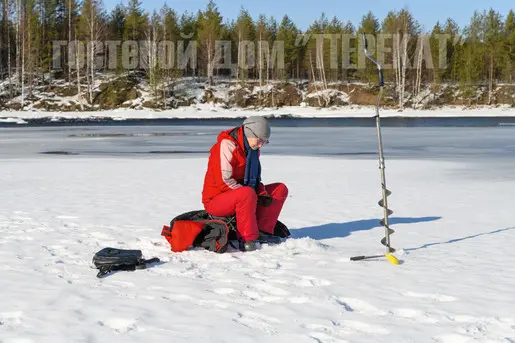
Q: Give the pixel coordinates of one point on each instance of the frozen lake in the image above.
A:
(68, 191)
(469, 142)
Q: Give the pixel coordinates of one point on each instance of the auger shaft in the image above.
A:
(384, 201)
(385, 192)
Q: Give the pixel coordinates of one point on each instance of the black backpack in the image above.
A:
(109, 260)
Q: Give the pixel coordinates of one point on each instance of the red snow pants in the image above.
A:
(250, 217)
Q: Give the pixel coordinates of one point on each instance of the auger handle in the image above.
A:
(379, 67)
(358, 258)
(361, 258)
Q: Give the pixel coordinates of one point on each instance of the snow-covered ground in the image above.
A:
(454, 234)
(205, 111)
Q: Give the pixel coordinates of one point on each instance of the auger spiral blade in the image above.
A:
(384, 222)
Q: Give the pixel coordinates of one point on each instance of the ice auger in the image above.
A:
(385, 191)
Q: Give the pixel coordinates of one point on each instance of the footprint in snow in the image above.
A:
(416, 315)
(299, 300)
(224, 291)
(120, 325)
(324, 333)
(265, 293)
(352, 326)
(435, 297)
(11, 319)
(195, 300)
(360, 306)
(452, 338)
(258, 321)
(67, 217)
(99, 235)
(271, 290)
(322, 337)
(308, 281)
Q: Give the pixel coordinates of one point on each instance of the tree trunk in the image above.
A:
(23, 61)
(92, 29)
(166, 76)
(41, 45)
(298, 67)
(491, 80)
(404, 65)
(69, 39)
(239, 56)
(18, 43)
(77, 66)
(418, 80)
(29, 55)
(260, 49)
(397, 65)
(209, 67)
(4, 24)
(314, 78)
(150, 57)
(8, 51)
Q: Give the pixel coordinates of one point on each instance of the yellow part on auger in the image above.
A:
(392, 259)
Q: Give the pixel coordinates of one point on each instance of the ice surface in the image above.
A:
(453, 215)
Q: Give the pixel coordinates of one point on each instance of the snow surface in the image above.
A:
(454, 231)
(219, 111)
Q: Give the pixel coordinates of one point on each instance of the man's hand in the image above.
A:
(265, 200)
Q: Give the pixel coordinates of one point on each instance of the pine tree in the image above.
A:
(71, 8)
(52, 19)
(287, 32)
(136, 25)
(115, 32)
(472, 66)
(32, 42)
(315, 49)
(369, 25)
(210, 26)
(171, 33)
(493, 38)
(437, 75)
(136, 21)
(262, 35)
(189, 27)
(509, 27)
(272, 28)
(451, 72)
(244, 31)
(335, 30)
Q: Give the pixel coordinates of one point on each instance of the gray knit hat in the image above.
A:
(257, 127)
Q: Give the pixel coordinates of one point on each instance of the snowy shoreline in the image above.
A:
(208, 111)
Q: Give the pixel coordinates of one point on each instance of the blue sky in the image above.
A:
(303, 13)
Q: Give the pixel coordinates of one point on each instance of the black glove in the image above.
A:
(265, 200)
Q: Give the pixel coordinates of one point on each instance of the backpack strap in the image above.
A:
(141, 264)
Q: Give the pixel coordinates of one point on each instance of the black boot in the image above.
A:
(269, 239)
(250, 246)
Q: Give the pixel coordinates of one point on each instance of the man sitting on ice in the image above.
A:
(232, 184)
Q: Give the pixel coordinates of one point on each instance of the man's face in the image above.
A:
(256, 143)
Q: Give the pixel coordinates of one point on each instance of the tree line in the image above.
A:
(481, 53)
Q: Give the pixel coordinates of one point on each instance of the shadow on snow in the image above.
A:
(339, 230)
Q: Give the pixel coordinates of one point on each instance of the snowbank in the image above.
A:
(203, 111)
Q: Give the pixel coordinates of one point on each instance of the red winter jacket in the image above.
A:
(226, 166)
